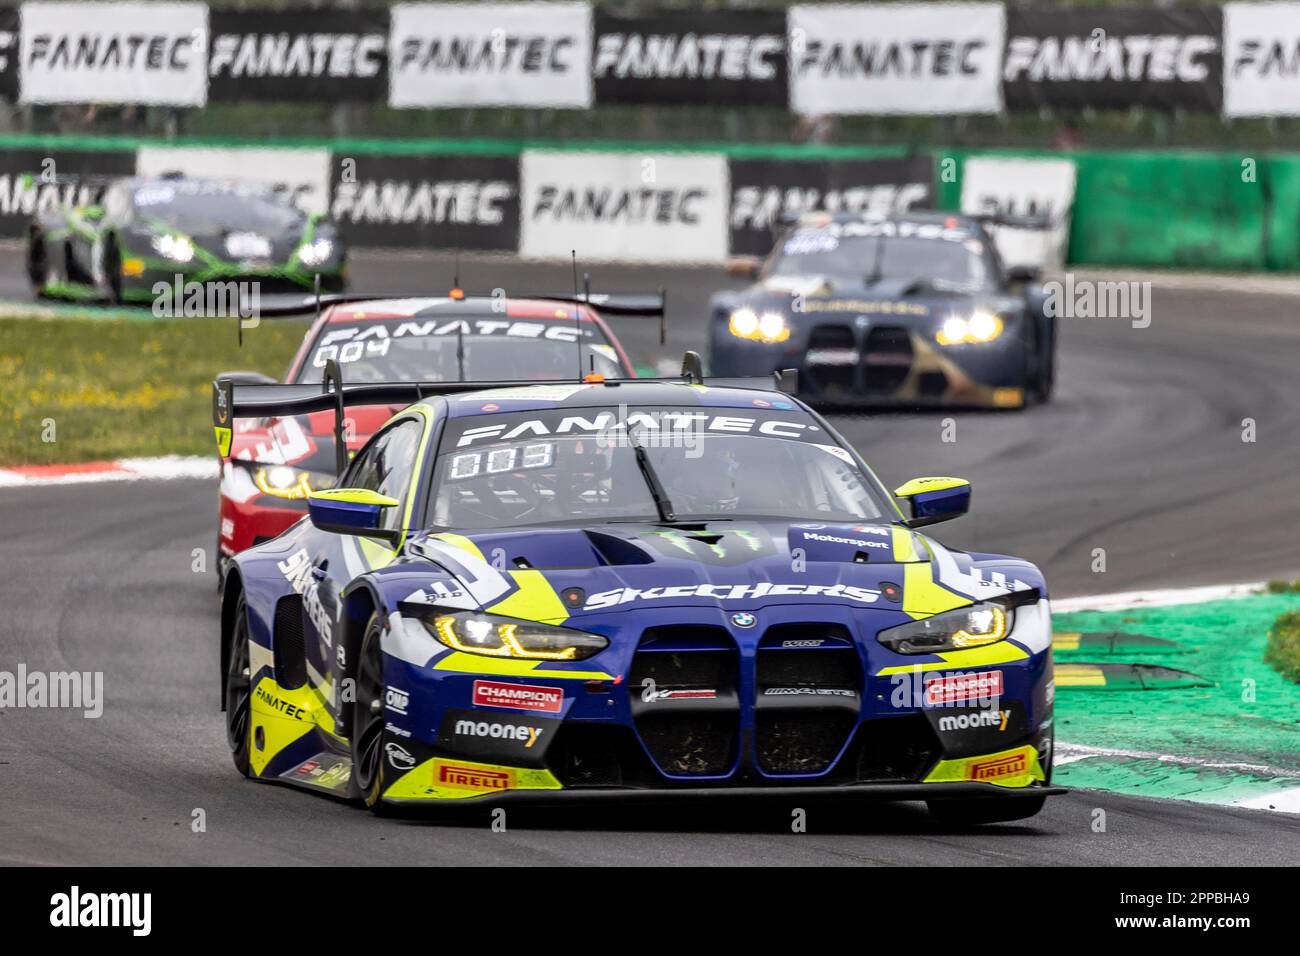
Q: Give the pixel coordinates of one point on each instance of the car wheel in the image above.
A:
(1034, 372)
(113, 269)
(38, 261)
(976, 811)
(239, 692)
(367, 739)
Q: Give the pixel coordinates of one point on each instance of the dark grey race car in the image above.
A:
(915, 310)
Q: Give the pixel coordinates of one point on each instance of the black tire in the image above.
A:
(239, 692)
(973, 812)
(1034, 371)
(38, 261)
(367, 737)
(113, 268)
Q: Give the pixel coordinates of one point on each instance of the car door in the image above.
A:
(386, 465)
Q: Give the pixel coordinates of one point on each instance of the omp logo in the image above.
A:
(979, 719)
(1010, 765)
(396, 700)
(489, 693)
(462, 777)
(494, 731)
(954, 688)
(297, 570)
(74, 909)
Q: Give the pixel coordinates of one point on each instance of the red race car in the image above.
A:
(276, 462)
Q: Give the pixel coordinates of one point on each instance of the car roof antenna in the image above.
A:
(577, 316)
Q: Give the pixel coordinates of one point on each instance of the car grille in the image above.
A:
(896, 749)
(887, 359)
(685, 703)
(832, 358)
(807, 700)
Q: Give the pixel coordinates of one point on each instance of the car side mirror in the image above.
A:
(1023, 275)
(356, 511)
(935, 499)
(744, 267)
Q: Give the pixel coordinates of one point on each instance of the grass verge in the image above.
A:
(121, 388)
(1283, 650)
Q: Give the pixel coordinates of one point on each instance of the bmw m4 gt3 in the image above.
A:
(915, 310)
(648, 589)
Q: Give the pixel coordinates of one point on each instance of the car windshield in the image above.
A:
(198, 207)
(450, 348)
(943, 259)
(580, 465)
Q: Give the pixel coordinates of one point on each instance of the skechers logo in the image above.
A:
(729, 592)
(297, 570)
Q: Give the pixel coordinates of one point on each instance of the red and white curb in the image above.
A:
(123, 469)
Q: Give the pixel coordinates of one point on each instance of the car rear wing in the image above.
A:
(233, 398)
(97, 183)
(1037, 221)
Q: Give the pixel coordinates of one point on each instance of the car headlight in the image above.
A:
(981, 327)
(494, 636)
(285, 482)
(176, 248)
(315, 252)
(767, 327)
(974, 626)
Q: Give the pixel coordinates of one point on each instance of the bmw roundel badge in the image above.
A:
(743, 619)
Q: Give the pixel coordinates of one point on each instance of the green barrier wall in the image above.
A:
(1166, 209)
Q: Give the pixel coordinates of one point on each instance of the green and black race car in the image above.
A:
(144, 231)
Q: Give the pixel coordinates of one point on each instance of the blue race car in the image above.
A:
(632, 588)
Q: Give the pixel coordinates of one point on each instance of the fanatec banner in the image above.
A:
(490, 54)
(438, 201)
(1113, 58)
(628, 207)
(299, 55)
(720, 57)
(765, 190)
(150, 53)
(896, 58)
(1261, 59)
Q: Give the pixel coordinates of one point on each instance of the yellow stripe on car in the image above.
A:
(1018, 767)
(446, 778)
(466, 663)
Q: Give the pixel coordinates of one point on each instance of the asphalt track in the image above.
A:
(1140, 455)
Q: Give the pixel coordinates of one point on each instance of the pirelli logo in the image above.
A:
(1011, 765)
(466, 777)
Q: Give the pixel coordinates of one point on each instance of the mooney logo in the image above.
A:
(1010, 765)
(461, 777)
(980, 718)
(495, 731)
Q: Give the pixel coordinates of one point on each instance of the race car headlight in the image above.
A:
(315, 252)
(285, 482)
(494, 636)
(974, 626)
(981, 327)
(767, 327)
(176, 248)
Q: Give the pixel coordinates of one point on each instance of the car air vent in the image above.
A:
(808, 691)
(290, 648)
(685, 702)
(617, 551)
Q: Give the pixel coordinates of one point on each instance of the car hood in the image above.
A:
(558, 574)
